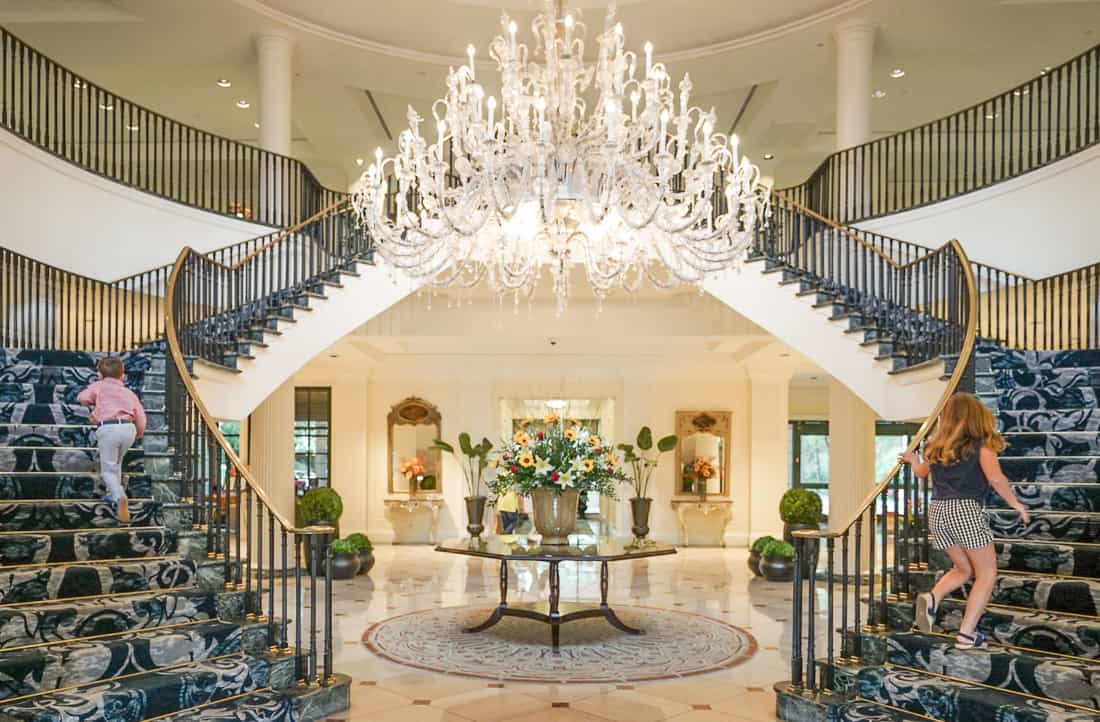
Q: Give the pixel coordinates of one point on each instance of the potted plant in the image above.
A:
(801, 509)
(475, 462)
(345, 559)
(365, 550)
(641, 464)
(553, 466)
(777, 561)
(755, 552)
(319, 507)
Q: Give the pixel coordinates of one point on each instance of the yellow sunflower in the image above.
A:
(493, 463)
(588, 464)
(522, 438)
(526, 461)
(524, 423)
(570, 434)
(550, 418)
(594, 440)
(612, 463)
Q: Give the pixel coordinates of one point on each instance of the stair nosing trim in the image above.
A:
(62, 642)
(1014, 693)
(82, 563)
(75, 501)
(1021, 540)
(211, 703)
(1044, 433)
(1045, 575)
(118, 595)
(82, 529)
(168, 668)
(1026, 650)
(1046, 457)
(1030, 610)
(893, 708)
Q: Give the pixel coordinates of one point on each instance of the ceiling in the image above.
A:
(167, 55)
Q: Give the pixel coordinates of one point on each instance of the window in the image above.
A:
(231, 430)
(312, 426)
(809, 466)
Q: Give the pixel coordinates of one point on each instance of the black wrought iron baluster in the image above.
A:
(872, 531)
(245, 561)
(809, 547)
(316, 544)
(796, 618)
(884, 582)
(284, 572)
(326, 675)
(844, 599)
(300, 668)
(830, 629)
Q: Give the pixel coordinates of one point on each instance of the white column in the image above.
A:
(855, 42)
(851, 457)
(272, 439)
(275, 83)
(770, 454)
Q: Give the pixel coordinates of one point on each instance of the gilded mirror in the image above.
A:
(703, 452)
(414, 466)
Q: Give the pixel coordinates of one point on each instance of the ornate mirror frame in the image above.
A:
(719, 423)
(413, 411)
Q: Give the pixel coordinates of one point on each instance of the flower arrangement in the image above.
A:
(699, 468)
(413, 468)
(560, 458)
(642, 462)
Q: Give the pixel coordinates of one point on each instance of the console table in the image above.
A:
(410, 504)
(706, 505)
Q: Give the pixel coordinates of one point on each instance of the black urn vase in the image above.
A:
(639, 513)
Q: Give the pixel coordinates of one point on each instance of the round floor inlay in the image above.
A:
(675, 644)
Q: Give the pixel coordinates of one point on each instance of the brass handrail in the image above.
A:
(969, 341)
(207, 419)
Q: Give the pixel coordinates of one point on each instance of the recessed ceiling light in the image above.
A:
(897, 73)
(878, 94)
(242, 104)
(224, 83)
(334, 355)
(784, 355)
(769, 156)
(255, 125)
(1045, 70)
(359, 161)
(106, 106)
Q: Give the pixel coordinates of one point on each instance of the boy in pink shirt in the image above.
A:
(120, 418)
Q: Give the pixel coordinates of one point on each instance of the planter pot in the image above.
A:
(809, 559)
(366, 560)
(345, 566)
(555, 514)
(639, 512)
(475, 512)
(754, 564)
(307, 549)
(777, 569)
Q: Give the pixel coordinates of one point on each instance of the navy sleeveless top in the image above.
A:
(962, 480)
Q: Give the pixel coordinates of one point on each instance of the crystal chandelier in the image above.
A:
(600, 165)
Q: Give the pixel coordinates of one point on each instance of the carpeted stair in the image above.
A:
(104, 621)
(1043, 661)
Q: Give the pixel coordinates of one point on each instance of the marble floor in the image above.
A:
(714, 582)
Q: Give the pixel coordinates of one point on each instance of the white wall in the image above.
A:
(1042, 223)
(58, 213)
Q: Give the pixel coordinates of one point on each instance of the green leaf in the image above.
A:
(645, 439)
(464, 444)
(484, 448)
(443, 446)
(668, 443)
(628, 448)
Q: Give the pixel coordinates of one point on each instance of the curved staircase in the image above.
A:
(101, 621)
(1043, 622)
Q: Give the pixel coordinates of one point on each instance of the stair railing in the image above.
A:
(887, 536)
(907, 295)
(1027, 127)
(75, 119)
(209, 302)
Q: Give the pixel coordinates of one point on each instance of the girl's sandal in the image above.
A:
(966, 641)
(924, 612)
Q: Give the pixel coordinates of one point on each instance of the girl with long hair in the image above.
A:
(961, 456)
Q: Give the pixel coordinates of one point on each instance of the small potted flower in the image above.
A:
(365, 549)
(345, 559)
(777, 561)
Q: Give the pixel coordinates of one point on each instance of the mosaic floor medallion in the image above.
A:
(675, 644)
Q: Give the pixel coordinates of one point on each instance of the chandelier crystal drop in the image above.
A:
(602, 165)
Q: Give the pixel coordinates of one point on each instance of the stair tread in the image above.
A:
(263, 706)
(152, 694)
(86, 544)
(41, 582)
(864, 711)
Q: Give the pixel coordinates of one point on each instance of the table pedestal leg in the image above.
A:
(608, 612)
(498, 613)
(555, 597)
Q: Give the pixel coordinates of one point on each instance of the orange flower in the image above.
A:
(594, 440)
(493, 463)
(612, 463)
(570, 434)
(522, 438)
(526, 461)
(588, 464)
(550, 418)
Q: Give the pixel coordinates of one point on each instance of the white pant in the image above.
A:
(114, 441)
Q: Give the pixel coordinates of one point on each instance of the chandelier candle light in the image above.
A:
(599, 164)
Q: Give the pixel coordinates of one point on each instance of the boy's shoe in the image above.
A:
(924, 612)
(121, 506)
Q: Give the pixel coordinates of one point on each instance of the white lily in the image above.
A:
(565, 480)
(542, 466)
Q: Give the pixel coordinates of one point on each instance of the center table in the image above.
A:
(508, 548)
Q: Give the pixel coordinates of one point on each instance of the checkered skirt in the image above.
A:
(958, 522)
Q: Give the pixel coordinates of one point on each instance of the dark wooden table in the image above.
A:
(508, 548)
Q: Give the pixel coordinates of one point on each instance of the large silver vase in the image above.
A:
(555, 514)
